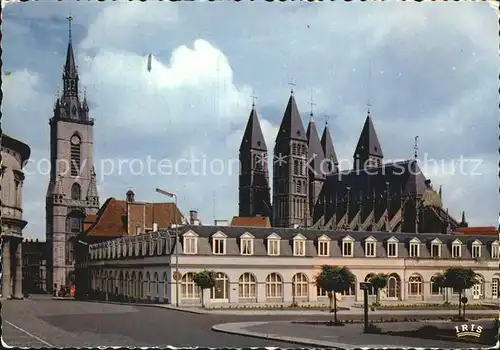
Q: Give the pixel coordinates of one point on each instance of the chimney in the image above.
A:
(130, 196)
(193, 217)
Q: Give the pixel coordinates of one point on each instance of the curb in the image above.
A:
(158, 306)
(227, 329)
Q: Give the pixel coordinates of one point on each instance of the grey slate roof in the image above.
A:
(287, 234)
(291, 125)
(315, 151)
(327, 146)
(253, 137)
(70, 65)
(368, 144)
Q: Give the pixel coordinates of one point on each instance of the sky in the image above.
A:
(427, 69)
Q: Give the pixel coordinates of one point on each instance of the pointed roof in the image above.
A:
(58, 187)
(368, 144)
(70, 65)
(327, 146)
(315, 152)
(253, 137)
(291, 125)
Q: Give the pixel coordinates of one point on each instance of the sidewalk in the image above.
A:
(345, 337)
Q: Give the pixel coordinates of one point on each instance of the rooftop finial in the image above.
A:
(312, 104)
(292, 84)
(253, 98)
(415, 148)
(69, 18)
(327, 117)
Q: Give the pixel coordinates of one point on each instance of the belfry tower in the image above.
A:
(72, 191)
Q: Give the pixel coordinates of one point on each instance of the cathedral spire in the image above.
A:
(291, 125)
(315, 151)
(253, 138)
(327, 146)
(368, 149)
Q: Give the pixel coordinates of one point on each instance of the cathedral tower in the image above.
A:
(72, 191)
(368, 151)
(254, 191)
(290, 177)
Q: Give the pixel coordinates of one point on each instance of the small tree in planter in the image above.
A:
(204, 280)
(379, 281)
(460, 279)
(334, 279)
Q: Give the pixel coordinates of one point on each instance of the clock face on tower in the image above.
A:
(75, 140)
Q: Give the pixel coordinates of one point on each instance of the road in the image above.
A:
(43, 322)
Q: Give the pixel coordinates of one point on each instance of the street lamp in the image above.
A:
(176, 274)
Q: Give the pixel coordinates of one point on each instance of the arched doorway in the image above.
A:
(220, 291)
(394, 287)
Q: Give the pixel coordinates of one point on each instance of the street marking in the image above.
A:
(31, 335)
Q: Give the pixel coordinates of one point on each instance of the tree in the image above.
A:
(334, 279)
(205, 280)
(379, 281)
(460, 279)
(440, 281)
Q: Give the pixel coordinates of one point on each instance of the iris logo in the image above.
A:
(470, 330)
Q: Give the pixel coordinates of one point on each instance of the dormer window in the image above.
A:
(219, 243)
(324, 246)
(273, 244)
(476, 249)
(370, 247)
(456, 249)
(347, 246)
(299, 245)
(246, 244)
(495, 250)
(436, 248)
(392, 247)
(415, 248)
(190, 242)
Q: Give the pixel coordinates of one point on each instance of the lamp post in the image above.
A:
(176, 274)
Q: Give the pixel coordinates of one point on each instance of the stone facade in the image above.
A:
(278, 266)
(72, 191)
(14, 157)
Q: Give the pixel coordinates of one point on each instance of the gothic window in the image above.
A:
(76, 191)
(75, 155)
(295, 167)
(73, 110)
(299, 186)
(294, 149)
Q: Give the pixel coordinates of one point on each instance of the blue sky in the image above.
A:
(434, 73)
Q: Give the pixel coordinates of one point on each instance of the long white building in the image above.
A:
(278, 266)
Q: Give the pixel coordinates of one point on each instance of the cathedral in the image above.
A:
(72, 191)
(310, 191)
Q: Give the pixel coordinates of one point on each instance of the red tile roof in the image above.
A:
(254, 221)
(117, 218)
(478, 230)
